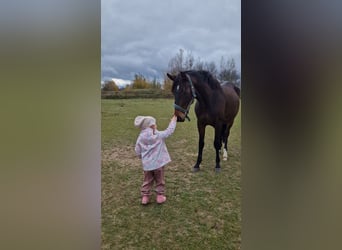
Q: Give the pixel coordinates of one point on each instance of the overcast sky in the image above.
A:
(141, 36)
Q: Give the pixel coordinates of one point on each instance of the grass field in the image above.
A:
(202, 211)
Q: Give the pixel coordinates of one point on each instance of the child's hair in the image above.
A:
(143, 122)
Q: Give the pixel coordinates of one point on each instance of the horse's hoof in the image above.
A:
(196, 170)
(225, 158)
(217, 170)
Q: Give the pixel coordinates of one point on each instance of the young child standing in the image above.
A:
(151, 149)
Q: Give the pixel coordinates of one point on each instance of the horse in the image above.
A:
(217, 105)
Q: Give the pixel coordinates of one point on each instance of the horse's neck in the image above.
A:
(204, 95)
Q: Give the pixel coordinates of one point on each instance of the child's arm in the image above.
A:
(138, 149)
(170, 129)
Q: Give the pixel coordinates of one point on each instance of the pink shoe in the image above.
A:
(161, 198)
(145, 199)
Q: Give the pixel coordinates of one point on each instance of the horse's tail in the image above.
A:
(237, 90)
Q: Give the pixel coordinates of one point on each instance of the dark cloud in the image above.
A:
(142, 36)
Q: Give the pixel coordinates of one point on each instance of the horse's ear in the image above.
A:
(171, 76)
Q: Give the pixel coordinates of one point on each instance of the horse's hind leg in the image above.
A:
(225, 136)
(201, 133)
(224, 140)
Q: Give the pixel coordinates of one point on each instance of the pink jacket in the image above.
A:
(152, 148)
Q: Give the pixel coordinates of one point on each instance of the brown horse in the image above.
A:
(217, 105)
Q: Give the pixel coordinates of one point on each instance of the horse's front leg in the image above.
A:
(217, 145)
(201, 134)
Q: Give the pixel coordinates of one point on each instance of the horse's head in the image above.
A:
(184, 92)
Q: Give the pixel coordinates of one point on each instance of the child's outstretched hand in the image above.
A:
(174, 118)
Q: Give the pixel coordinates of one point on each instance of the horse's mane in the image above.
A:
(207, 78)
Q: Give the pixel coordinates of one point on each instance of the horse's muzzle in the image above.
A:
(180, 119)
(180, 116)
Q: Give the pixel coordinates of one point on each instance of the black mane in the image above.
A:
(206, 77)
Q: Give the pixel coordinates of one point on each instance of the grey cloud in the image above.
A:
(142, 36)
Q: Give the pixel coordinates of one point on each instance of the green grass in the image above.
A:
(202, 211)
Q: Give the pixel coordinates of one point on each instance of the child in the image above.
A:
(151, 149)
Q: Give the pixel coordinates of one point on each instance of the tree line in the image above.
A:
(186, 61)
(139, 82)
(182, 61)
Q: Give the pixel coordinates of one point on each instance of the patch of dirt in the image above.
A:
(125, 155)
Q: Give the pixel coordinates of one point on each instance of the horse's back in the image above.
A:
(231, 92)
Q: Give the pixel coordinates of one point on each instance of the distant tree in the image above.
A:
(110, 86)
(140, 82)
(155, 84)
(176, 63)
(167, 86)
(228, 71)
(128, 87)
(179, 62)
(199, 65)
(189, 61)
(211, 67)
